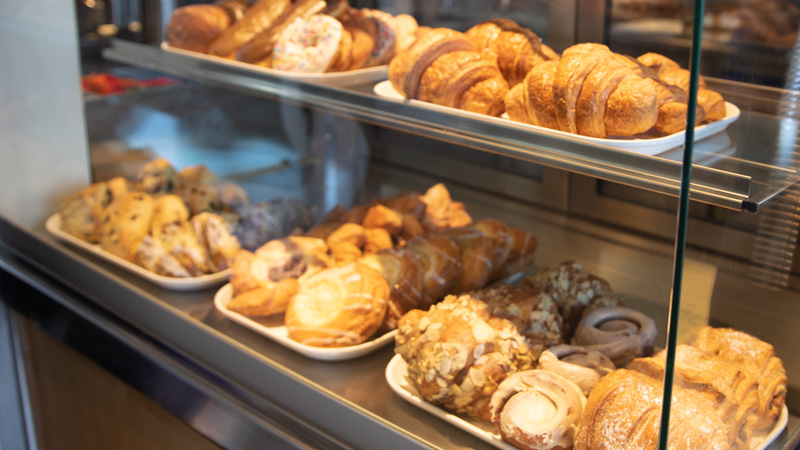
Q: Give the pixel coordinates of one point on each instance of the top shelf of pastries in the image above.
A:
(356, 50)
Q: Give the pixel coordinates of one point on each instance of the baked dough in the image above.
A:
(580, 365)
(338, 307)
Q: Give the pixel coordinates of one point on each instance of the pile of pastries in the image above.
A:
(558, 361)
(499, 67)
(177, 224)
(312, 36)
(360, 270)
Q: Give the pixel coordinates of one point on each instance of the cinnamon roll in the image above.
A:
(537, 409)
(620, 333)
(581, 365)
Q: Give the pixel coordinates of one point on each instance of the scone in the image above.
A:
(167, 208)
(199, 198)
(157, 177)
(338, 307)
(82, 211)
(125, 223)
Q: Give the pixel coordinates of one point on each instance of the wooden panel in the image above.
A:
(78, 405)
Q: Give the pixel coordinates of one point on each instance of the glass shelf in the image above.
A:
(742, 168)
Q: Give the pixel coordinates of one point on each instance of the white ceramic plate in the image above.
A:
(644, 146)
(350, 77)
(53, 225)
(397, 371)
(273, 328)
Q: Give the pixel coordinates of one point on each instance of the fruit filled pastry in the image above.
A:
(759, 361)
(620, 333)
(263, 282)
(445, 68)
(338, 307)
(724, 385)
(624, 411)
(457, 354)
(581, 365)
(258, 223)
(537, 409)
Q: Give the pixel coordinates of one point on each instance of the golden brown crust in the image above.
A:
(476, 252)
(502, 241)
(256, 19)
(125, 223)
(575, 65)
(82, 213)
(441, 265)
(403, 272)
(194, 27)
(597, 88)
(632, 108)
(712, 103)
(338, 307)
(407, 68)
(624, 411)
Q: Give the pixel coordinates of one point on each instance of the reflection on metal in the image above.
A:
(776, 241)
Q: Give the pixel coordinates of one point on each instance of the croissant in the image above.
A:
(515, 49)
(624, 411)
(594, 92)
(444, 68)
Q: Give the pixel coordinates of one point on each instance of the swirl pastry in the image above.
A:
(620, 333)
(581, 365)
(537, 409)
(338, 307)
(624, 411)
(457, 354)
(403, 271)
(758, 359)
(722, 384)
(441, 265)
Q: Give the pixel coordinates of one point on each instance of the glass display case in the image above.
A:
(663, 252)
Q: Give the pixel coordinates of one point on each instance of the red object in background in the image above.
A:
(104, 83)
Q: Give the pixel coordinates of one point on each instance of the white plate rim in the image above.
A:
(347, 77)
(397, 370)
(53, 226)
(649, 147)
(279, 334)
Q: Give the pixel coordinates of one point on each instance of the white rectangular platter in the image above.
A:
(347, 78)
(645, 146)
(273, 328)
(396, 376)
(53, 225)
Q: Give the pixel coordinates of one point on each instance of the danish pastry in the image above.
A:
(338, 307)
(537, 409)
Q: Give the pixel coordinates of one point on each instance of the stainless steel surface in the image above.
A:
(733, 174)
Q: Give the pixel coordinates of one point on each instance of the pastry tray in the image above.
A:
(53, 225)
(644, 146)
(273, 328)
(396, 376)
(347, 78)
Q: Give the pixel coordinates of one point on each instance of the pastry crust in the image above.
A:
(502, 242)
(125, 223)
(157, 177)
(537, 409)
(758, 358)
(82, 213)
(620, 333)
(624, 411)
(403, 273)
(338, 307)
(581, 365)
(441, 265)
(194, 27)
(215, 237)
(476, 251)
